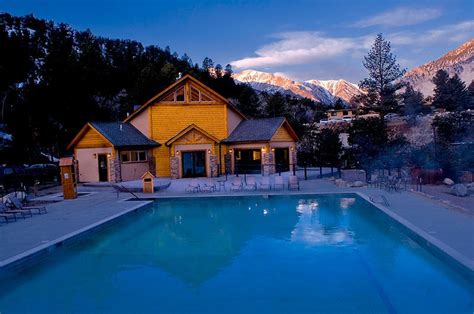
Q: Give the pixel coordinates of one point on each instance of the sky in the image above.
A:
(300, 39)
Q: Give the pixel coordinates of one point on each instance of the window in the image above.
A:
(345, 113)
(134, 156)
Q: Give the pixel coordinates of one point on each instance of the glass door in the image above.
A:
(194, 164)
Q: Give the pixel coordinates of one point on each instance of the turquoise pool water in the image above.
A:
(243, 255)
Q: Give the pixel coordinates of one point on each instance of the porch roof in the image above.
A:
(123, 135)
(256, 130)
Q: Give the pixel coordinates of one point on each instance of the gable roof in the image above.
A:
(258, 130)
(186, 130)
(117, 133)
(174, 85)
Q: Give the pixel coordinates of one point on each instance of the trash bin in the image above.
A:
(148, 185)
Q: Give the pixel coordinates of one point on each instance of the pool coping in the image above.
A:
(435, 246)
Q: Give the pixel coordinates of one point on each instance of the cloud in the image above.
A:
(400, 17)
(291, 48)
(297, 48)
(459, 32)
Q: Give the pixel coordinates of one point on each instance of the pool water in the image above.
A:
(280, 254)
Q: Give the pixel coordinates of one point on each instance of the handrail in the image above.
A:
(120, 188)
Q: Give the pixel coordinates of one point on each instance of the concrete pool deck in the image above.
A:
(449, 229)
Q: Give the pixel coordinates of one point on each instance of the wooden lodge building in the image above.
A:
(187, 130)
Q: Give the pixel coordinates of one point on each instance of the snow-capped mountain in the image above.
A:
(459, 61)
(323, 91)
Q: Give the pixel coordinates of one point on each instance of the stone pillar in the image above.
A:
(294, 161)
(174, 167)
(115, 170)
(152, 164)
(213, 165)
(268, 163)
(228, 163)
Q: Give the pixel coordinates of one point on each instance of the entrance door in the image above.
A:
(103, 169)
(194, 164)
(282, 159)
(248, 161)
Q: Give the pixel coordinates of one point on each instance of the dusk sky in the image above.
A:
(301, 39)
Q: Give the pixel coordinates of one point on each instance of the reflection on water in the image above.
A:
(311, 228)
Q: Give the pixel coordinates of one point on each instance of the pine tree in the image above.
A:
(228, 70)
(339, 104)
(218, 70)
(275, 105)
(451, 94)
(384, 71)
(459, 94)
(413, 102)
(207, 64)
(470, 91)
(441, 91)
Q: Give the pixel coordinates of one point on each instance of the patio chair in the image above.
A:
(19, 206)
(236, 184)
(193, 186)
(4, 215)
(265, 184)
(208, 187)
(293, 183)
(373, 180)
(251, 184)
(279, 183)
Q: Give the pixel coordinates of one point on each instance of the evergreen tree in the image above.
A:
(275, 105)
(413, 102)
(459, 94)
(218, 71)
(384, 71)
(441, 95)
(470, 91)
(451, 94)
(228, 70)
(339, 104)
(207, 64)
(187, 59)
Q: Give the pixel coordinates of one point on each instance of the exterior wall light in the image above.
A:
(177, 152)
(209, 151)
(263, 149)
(292, 148)
(273, 149)
(109, 155)
(95, 156)
(230, 150)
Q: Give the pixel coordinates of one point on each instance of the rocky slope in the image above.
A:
(326, 92)
(459, 61)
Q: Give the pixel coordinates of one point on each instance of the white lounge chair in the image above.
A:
(293, 183)
(265, 184)
(251, 184)
(236, 184)
(16, 203)
(279, 183)
(193, 186)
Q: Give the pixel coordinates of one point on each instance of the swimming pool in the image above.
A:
(241, 255)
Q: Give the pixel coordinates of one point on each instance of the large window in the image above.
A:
(133, 156)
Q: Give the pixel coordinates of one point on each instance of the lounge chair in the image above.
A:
(293, 183)
(265, 184)
(251, 184)
(194, 186)
(279, 183)
(19, 206)
(4, 215)
(23, 213)
(236, 184)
